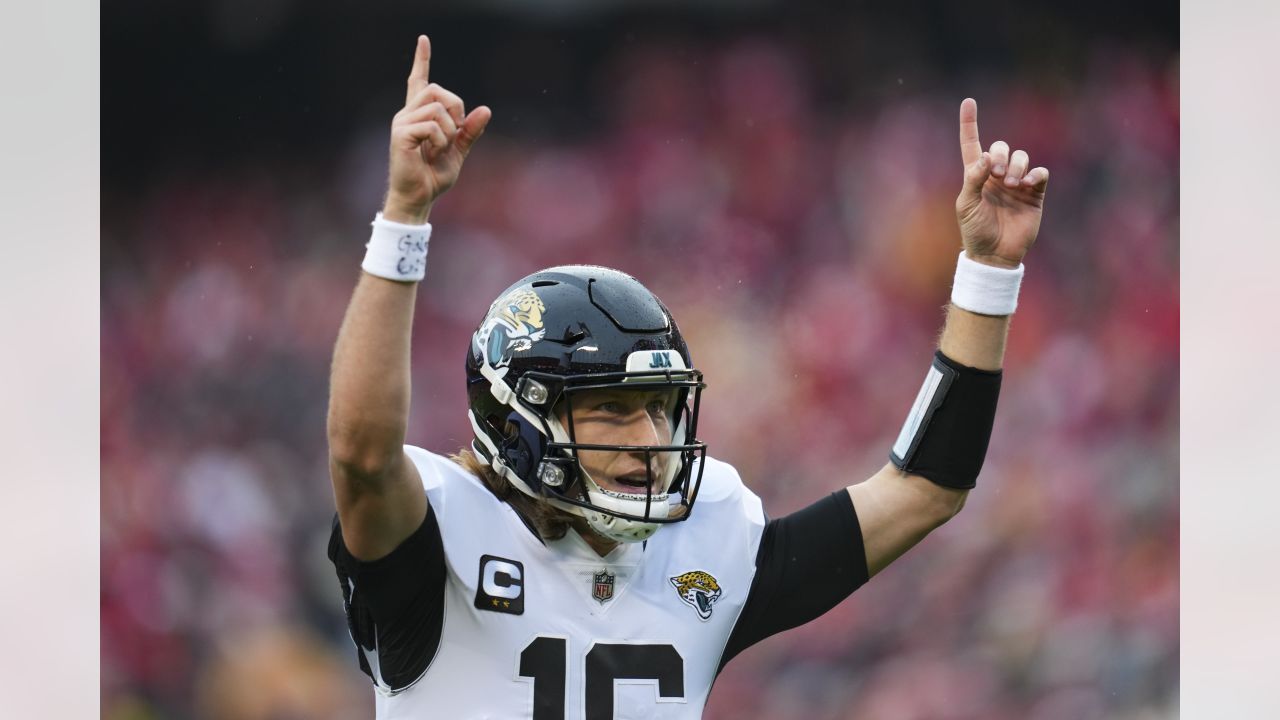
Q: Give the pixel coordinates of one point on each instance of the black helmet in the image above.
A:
(562, 331)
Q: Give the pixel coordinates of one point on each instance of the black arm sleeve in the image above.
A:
(395, 604)
(808, 562)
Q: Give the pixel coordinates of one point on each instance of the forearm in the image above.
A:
(977, 341)
(369, 383)
(974, 340)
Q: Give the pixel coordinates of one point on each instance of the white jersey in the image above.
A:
(552, 630)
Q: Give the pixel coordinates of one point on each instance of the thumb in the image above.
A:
(472, 128)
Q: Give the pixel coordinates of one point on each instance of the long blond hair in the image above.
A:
(549, 522)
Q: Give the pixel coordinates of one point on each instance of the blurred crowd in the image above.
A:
(806, 249)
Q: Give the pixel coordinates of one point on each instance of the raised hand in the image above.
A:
(430, 138)
(1000, 204)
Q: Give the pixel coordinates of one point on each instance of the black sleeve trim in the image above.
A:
(395, 604)
(808, 562)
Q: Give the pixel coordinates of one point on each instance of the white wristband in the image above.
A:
(985, 289)
(397, 251)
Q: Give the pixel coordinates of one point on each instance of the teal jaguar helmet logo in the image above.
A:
(513, 324)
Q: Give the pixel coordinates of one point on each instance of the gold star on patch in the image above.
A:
(495, 602)
(506, 603)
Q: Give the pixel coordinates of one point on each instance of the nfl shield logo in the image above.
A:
(602, 586)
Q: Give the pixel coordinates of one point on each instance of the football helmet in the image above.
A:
(549, 338)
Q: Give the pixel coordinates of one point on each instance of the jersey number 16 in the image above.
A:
(545, 660)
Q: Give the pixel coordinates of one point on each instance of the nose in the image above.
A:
(643, 430)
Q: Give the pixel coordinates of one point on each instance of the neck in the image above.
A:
(601, 544)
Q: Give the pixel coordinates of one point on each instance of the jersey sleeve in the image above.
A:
(395, 604)
(807, 563)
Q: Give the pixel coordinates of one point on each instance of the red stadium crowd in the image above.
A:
(806, 252)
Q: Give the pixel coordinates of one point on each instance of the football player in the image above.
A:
(585, 557)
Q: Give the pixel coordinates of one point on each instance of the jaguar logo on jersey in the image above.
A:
(602, 586)
(699, 589)
(501, 585)
(513, 325)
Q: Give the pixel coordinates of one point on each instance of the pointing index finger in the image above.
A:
(970, 145)
(418, 76)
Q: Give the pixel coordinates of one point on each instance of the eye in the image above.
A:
(658, 406)
(609, 407)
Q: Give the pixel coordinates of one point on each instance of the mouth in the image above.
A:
(634, 482)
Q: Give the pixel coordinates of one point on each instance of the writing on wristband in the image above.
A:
(986, 289)
(397, 251)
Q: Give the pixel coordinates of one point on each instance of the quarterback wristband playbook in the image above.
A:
(946, 433)
(985, 289)
(397, 251)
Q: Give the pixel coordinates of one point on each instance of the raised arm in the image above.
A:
(377, 490)
(999, 210)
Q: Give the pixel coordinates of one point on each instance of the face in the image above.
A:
(622, 417)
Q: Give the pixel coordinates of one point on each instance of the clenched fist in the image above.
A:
(430, 138)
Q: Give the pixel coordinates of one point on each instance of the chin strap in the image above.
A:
(623, 529)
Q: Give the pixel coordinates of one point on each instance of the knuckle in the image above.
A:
(442, 115)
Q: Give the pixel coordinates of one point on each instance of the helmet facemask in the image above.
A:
(660, 485)
(553, 461)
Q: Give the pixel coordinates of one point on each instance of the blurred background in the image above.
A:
(783, 176)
